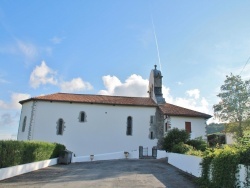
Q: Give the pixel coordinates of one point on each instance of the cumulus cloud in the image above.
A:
(193, 101)
(76, 84)
(29, 50)
(134, 85)
(166, 94)
(14, 103)
(200, 105)
(194, 93)
(42, 75)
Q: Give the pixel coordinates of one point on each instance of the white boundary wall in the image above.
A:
(161, 154)
(187, 163)
(191, 165)
(134, 154)
(25, 168)
(242, 174)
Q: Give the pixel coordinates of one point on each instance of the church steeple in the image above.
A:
(155, 86)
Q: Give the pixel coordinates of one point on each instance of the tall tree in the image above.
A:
(234, 106)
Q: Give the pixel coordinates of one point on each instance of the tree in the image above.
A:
(234, 106)
(215, 128)
(173, 137)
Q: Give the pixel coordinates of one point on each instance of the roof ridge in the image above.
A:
(97, 95)
(92, 98)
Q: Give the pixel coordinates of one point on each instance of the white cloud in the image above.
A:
(29, 50)
(193, 104)
(16, 97)
(110, 83)
(6, 119)
(134, 85)
(180, 83)
(14, 103)
(166, 94)
(56, 40)
(76, 84)
(194, 93)
(42, 75)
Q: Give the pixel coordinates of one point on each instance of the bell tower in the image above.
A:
(155, 86)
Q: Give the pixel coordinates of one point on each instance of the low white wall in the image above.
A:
(21, 169)
(134, 154)
(242, 175)
(161, 154)
(191, 165)
(187, 163)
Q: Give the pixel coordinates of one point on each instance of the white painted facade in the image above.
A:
(104, 130)
(198, 125)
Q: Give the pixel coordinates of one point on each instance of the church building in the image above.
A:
(97, 124)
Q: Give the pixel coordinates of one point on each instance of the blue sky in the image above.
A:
(108, 47)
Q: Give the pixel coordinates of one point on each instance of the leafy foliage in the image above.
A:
(215, 128)
(216, 139)
(173, 137)
(220, 165)
(21, 152)
(235, 101)
(233, 128)
(198, 144)
(181, 148)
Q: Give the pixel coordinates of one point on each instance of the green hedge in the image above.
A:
(21, 152)
(222, 163)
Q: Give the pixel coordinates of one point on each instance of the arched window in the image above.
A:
(82, 117)
(24, 124)
(60, 126)
(129, 126)
(151, 135)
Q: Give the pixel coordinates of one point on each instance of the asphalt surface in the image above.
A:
(113, 173)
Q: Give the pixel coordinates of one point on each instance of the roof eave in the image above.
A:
(71, 101)
(188, 115)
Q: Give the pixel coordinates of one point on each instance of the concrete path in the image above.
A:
(114, 173)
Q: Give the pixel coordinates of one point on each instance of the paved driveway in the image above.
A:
(114, 173)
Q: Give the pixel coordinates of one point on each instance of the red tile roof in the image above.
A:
(170, 109)
(95, 99)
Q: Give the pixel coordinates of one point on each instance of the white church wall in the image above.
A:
(26, 111)
(103, 132)
(198, 125)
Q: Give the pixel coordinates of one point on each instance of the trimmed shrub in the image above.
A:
(181, 148)
(174, 137)
(194, 152)
(21, 152)
(198, 144)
